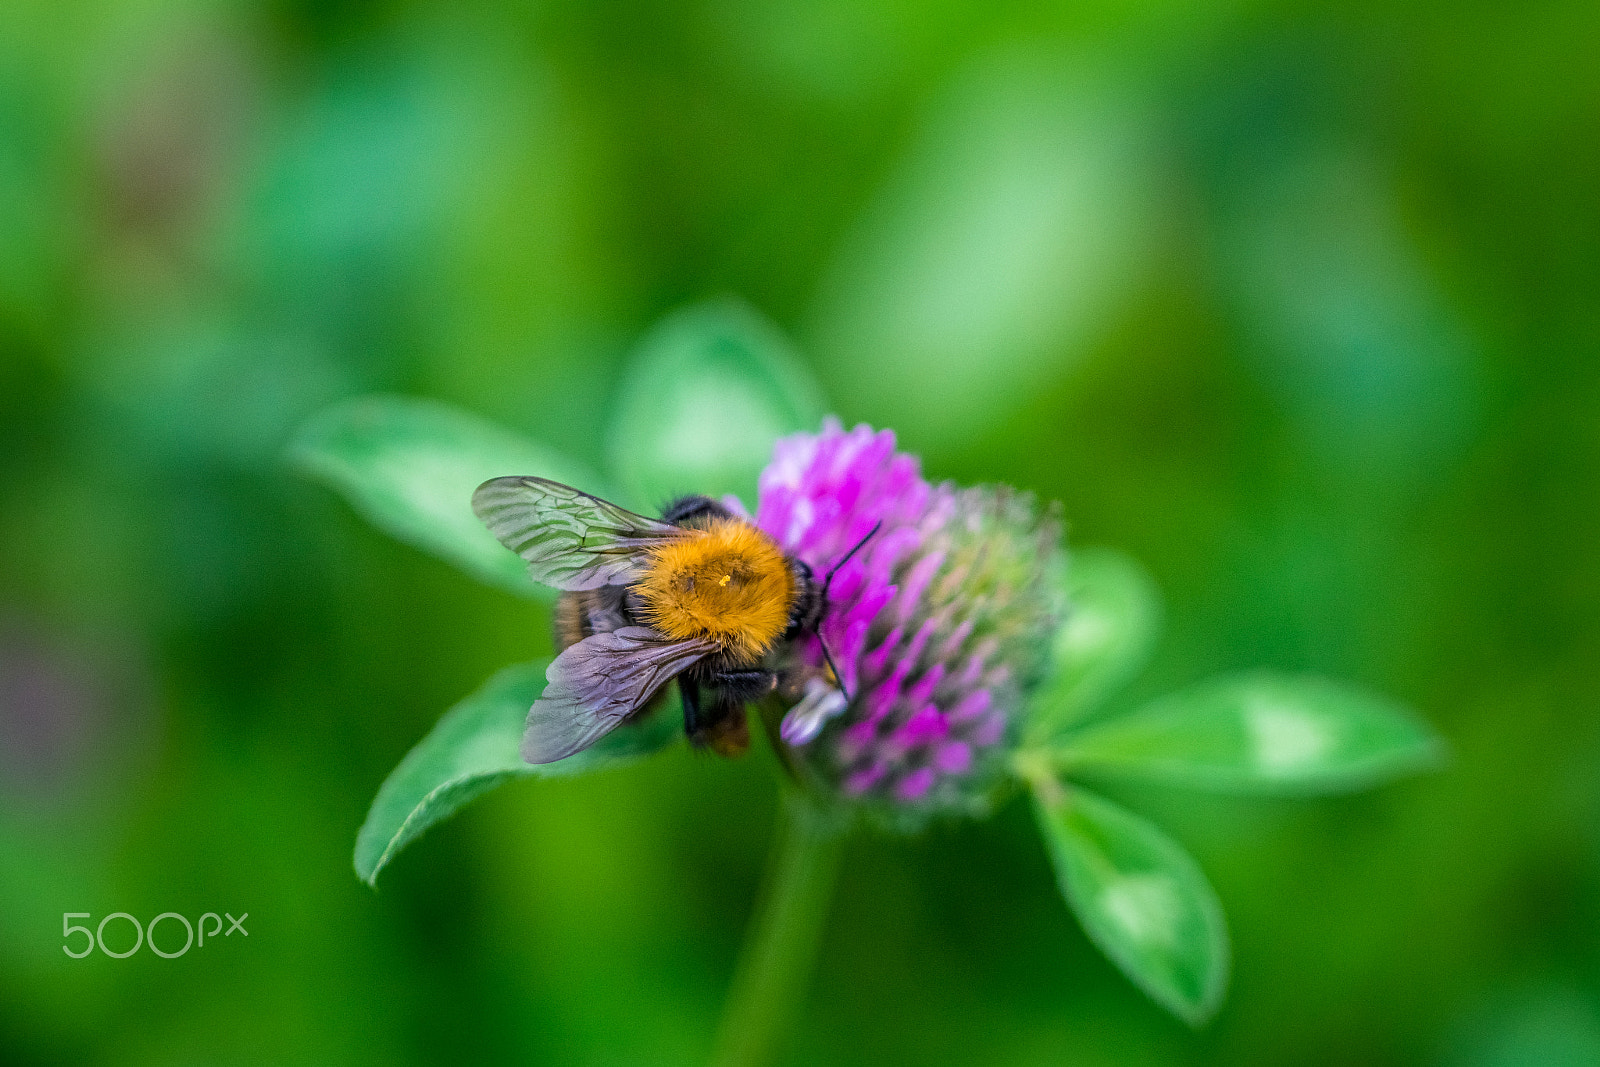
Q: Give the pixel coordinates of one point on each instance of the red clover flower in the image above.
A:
(939, 625)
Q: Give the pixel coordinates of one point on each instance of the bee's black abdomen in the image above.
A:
(587, 612)
(714, 718)
(727, 731)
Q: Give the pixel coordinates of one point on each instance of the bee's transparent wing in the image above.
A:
(595, 684)
(571, 540)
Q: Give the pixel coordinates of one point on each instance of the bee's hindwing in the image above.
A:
(597, 683)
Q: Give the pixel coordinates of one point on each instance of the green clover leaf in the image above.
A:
(410, 466)
(1261, 732)
(1140, 898)
(473, 749)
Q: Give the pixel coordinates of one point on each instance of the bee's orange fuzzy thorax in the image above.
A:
(728, 582)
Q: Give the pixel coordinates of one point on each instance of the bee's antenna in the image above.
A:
(828, 659)
(828, 581)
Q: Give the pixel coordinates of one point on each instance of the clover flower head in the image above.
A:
(938, 625)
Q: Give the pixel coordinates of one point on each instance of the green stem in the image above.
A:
(775, 964)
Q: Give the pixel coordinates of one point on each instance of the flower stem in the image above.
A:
(770, 981)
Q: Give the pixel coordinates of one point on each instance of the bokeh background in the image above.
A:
(1294, 301)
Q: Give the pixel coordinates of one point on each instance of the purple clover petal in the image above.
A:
(973, 705)
(924, 726)
(954, 758)
(861, 781)
(938, 625)
(806, 719)
(915, 786)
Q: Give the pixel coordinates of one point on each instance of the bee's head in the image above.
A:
(694, 511)
(809, 606)
(811, 603)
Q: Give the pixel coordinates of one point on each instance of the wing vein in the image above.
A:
(570, 540)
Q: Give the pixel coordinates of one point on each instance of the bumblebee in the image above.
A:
(700, 595)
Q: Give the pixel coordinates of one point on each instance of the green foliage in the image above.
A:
(1333, 376)
(410, 467)
(707, 392)
(1260, 732)
(472, 750)
(1113, 617)
(1140, 898)
(1017, 224)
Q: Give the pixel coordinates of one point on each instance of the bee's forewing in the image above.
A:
(571, 540)
(595, 684)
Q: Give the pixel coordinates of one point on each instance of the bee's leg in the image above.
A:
(693, 721)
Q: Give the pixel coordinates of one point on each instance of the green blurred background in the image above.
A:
(1295, 301)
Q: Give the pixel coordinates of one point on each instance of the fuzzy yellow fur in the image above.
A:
(727, 582)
